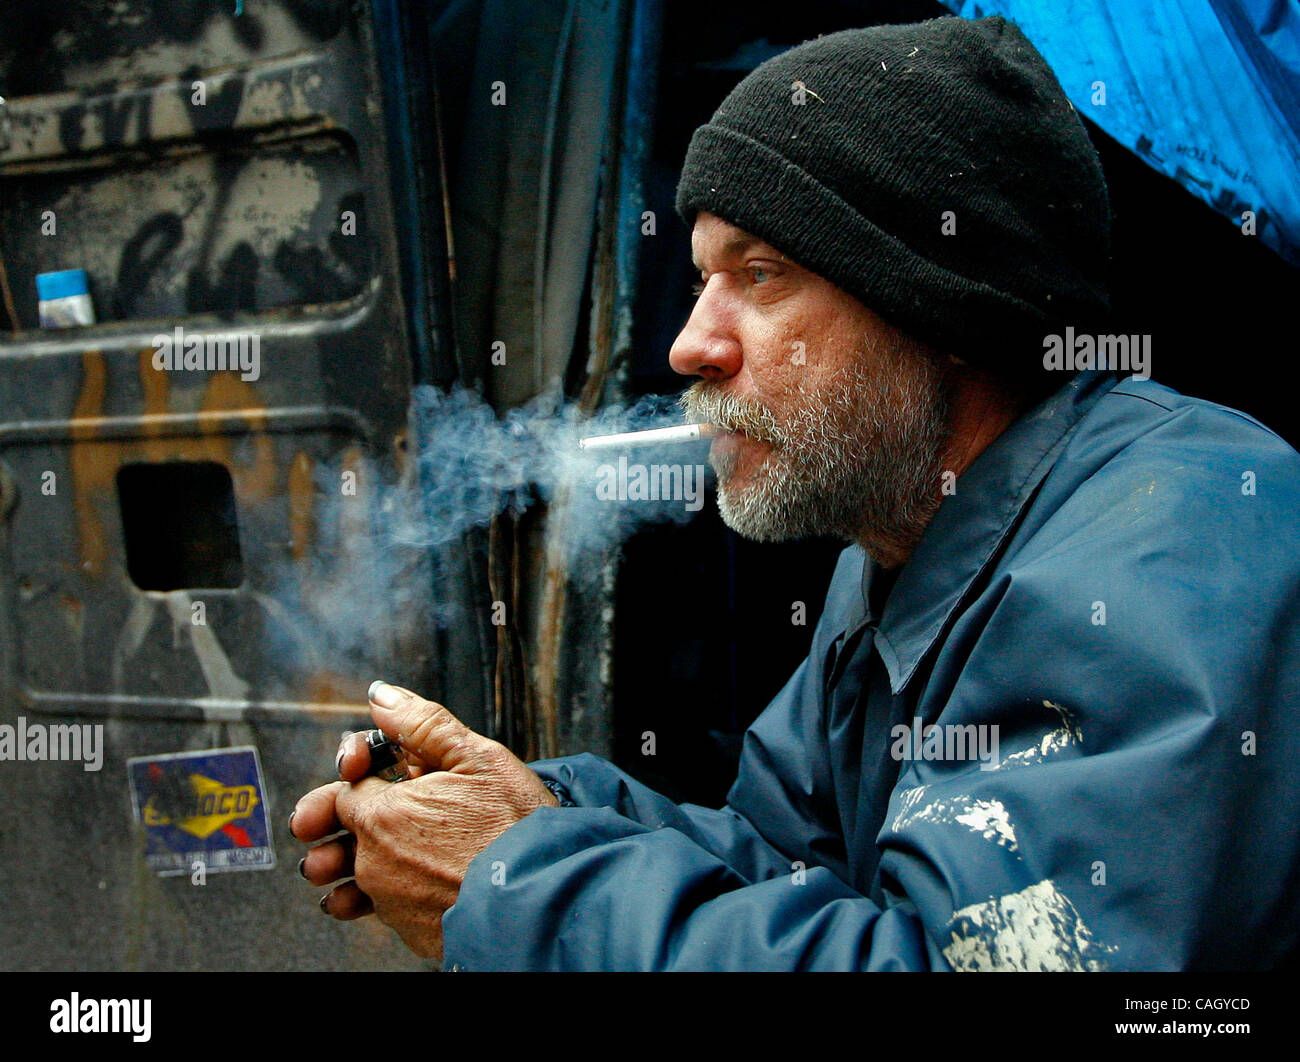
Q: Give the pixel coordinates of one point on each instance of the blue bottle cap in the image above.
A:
(61, 284)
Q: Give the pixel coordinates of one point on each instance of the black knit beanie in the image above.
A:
(934, 171)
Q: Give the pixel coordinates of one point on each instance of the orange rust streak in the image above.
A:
(301, 516)
(156, 387)
(95, 462)
(354, 513)
(255, 482)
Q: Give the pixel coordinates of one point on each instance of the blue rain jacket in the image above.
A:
(1115, 587)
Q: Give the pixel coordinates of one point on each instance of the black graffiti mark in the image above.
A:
(114, 114)
(142, 257)
(71, 128)
(114, 117)
(184, 21)
(181, 20)
(89, 31)
(249, 31)
(316, 265)
(219, 109)
(319, 20)
(318, 276)
(235, 291)
(27, 53)
(146, 253)
(307, 269)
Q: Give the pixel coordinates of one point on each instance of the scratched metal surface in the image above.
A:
(224, 217)
(220, 217)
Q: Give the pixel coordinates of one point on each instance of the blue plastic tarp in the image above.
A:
(1205, 91)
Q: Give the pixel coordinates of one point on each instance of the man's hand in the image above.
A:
(409, 843)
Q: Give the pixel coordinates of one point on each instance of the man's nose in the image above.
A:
(708, 345)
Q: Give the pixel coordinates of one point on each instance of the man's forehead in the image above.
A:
(716, 238)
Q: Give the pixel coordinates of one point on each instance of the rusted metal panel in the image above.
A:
(228, 179)
(274, 184)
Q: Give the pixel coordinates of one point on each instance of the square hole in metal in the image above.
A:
(180, 525)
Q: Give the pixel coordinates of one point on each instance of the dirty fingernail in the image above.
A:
(384, 695)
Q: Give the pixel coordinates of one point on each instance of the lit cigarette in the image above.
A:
(681, 433)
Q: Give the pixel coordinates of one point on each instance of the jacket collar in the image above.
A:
(970, 525)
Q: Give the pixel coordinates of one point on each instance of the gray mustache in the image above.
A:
(706, 403)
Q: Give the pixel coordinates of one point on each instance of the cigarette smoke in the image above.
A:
(378, 551)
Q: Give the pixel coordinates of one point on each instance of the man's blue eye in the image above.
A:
(758, 274)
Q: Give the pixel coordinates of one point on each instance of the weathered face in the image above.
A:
(833, 421)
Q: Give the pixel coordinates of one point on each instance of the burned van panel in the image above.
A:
(187, 556)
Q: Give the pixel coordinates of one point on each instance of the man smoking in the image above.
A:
(1096, 577)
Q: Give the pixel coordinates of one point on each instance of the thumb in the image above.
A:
(427, 729)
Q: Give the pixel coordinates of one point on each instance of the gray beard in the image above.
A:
(860, 462)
